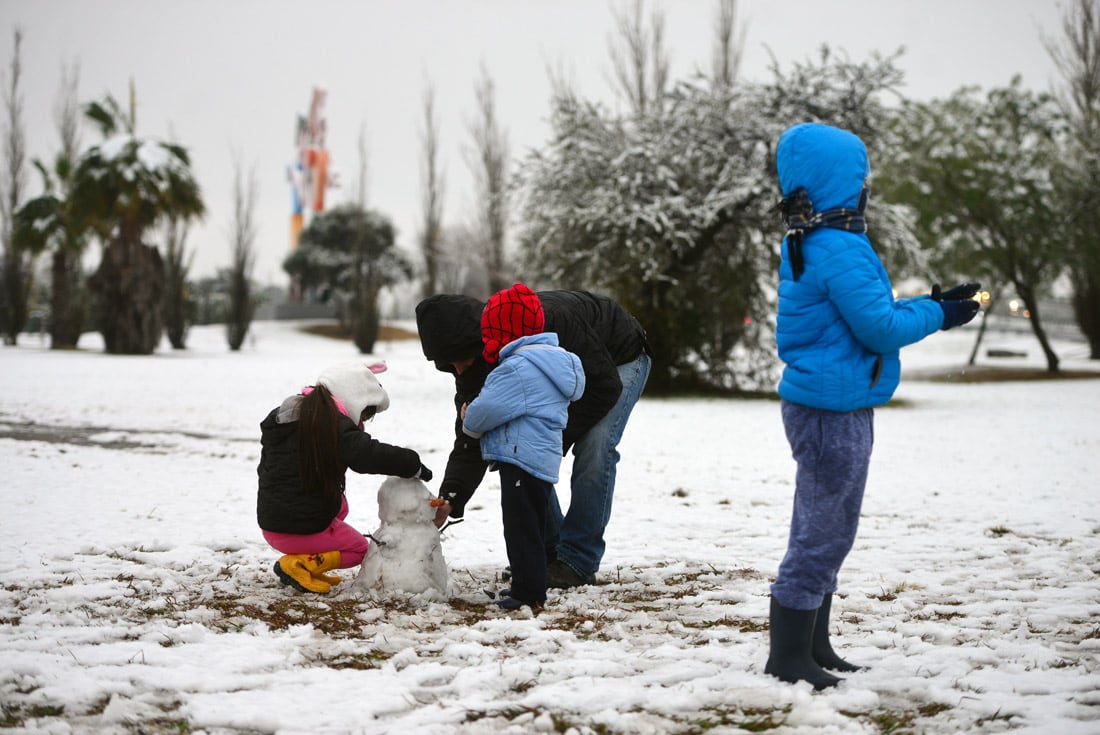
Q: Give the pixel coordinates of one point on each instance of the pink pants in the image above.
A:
(339, 536)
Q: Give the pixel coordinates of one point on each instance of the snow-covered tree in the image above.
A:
(123, 186)
(349, 252)
(981, 173)
(672, 212)
(1077, 55)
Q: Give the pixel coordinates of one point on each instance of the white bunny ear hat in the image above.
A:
(354, 384)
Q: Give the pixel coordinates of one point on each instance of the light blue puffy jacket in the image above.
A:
(524, 405)
(839, 327)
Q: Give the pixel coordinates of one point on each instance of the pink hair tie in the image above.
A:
(336, 401)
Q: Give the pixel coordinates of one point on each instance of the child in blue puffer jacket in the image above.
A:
(839, 331)
(519, 416)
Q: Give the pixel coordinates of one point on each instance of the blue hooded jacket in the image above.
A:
(524, 405)
(839, 327)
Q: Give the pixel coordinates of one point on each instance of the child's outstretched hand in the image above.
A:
(957, 293)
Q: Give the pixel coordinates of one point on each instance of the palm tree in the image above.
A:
(48, 222)
(124, 186)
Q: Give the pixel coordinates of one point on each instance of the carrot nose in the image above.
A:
(436, 502)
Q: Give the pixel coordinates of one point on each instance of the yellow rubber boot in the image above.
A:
(330, 579)
(329, 560)
(298, 570)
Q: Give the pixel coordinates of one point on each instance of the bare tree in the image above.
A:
(459, 273)
(434, 184)
(1077, 56)
(639, 60)
(241, 304)
(361, 184)
(17, 266)
(488, 161)
(728, 45)
(177, 266)
(69, 296)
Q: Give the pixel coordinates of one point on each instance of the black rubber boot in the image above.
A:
(789, 656)
(823, 651)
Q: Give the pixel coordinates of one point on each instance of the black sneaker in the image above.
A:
(562, 576)
(510, 603)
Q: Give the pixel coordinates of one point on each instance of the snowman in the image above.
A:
(406, 555)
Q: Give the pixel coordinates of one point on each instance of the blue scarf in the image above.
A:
(800, 218)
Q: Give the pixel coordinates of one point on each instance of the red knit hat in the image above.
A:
(511, 313)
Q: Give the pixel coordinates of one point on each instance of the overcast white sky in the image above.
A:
(228, 77)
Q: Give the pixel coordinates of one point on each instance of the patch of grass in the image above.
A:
(751, 719)
(889, 595)
(14, 715)
(336, 618)
(998, 531)
(743, 625)
(160, 726)
(995, 717)
(584, 625)
(371, 659)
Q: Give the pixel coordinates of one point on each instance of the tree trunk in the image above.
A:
(1086, 309)
(981, 331)
(18, 272)
(1032, 306)
(68, 303)
(129, 290)
(366, 321)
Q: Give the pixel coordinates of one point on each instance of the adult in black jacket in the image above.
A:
(612, 347)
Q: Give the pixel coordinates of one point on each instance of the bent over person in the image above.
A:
(613, 351)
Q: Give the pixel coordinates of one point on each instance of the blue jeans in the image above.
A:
(579, 533)
(833, 452)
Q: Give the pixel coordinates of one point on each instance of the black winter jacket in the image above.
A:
(595, 328)
(283, 505)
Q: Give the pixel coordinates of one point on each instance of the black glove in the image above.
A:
(957, 313)
(958, 293)
(424, 474)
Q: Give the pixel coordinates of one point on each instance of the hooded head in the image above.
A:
(512, 313)
(355, 386)
(449, 330)
(829, 163)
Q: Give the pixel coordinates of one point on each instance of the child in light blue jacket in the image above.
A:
(519, 416)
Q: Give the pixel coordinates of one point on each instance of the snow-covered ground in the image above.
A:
(136, 593)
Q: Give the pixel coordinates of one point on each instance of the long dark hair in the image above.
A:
(318, 450)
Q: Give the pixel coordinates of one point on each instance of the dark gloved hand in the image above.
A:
(424, 474)
(958, 293)
(957, 313)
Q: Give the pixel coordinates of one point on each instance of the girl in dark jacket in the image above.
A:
(308, 443)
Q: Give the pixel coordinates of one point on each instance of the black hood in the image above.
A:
(450, 327)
